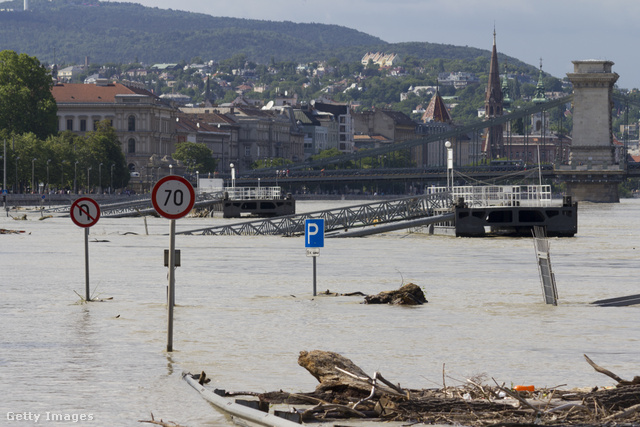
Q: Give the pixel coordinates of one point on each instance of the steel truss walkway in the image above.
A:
(405, 209)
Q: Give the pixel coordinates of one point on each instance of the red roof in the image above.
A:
(90, 93)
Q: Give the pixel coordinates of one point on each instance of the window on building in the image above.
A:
(132, 124)
(131, 146)
(247, 151)
(69, 124)
(83, 125)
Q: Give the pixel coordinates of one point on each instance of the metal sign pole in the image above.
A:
(172, 277)
(314, 276)
(172, 197)
(86, 263)
(85, 212)
(4, 178)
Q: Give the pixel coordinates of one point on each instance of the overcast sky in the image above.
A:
(558, 31)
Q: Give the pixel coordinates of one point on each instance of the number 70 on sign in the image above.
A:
(173, 197)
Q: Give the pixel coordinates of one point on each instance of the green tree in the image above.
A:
(334, 155)
(199, 156)
(101, 150)
(270, 163)
(26, 102)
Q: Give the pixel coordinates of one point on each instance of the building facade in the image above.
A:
(342, 114)
(145, 126)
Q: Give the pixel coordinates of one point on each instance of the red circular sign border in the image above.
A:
(74, 204)
(154, 194)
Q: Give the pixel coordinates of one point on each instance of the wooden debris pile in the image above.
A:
(409, 294)
(345, 391)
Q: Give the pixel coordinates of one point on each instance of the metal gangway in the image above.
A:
(406, 209)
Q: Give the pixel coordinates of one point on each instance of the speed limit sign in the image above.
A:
(173, 197)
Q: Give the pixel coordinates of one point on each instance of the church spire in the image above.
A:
(493, 99)
(493, 105)
(540, 95)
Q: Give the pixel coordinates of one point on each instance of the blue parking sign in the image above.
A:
(314, 233)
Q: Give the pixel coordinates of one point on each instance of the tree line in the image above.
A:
(37, 157)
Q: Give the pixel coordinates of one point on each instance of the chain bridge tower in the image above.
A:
(595, 167)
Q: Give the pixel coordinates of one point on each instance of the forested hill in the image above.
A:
(122, 32)
(127, 32)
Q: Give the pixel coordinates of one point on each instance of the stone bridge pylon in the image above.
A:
(596, 165)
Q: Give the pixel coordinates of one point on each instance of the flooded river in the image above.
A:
(245, 310)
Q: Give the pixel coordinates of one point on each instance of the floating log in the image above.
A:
(322, 365)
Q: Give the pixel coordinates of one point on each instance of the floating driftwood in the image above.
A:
(6, 231)
(345, 391)
(409, 294)
(160, 422)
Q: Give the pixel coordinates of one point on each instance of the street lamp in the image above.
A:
(17, 189)
(198, 180)
(233, 175)
(47, 187)
(33, 174)
(75, 178)
(449, 165)
(62, 174)
(88, 176)
(100, 177)
(170, 169)
(113, 165)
